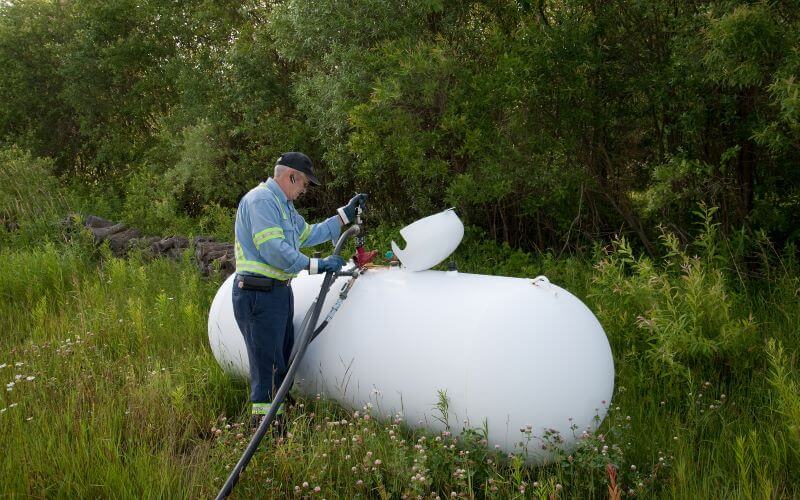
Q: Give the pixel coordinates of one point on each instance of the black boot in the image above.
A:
(255, 421)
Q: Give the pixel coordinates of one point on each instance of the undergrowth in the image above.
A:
(110, 388)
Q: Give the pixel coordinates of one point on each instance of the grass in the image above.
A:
(110, 388)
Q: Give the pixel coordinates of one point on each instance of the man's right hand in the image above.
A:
(331, 263)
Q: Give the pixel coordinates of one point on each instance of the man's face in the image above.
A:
(299, 187)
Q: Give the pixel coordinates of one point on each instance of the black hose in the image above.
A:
(304, 339)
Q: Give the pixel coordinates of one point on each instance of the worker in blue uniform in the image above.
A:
(269, 235)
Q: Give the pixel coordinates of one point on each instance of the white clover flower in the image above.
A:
(30, 378)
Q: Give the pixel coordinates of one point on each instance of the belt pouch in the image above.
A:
(255, 283)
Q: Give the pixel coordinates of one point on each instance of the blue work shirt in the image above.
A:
(269, 234)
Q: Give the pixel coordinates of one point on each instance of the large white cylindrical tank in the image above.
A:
(507, 352)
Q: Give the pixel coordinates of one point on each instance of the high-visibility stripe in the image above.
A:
(306, 232)
(266, 235)
(257, 267)
(263, 409)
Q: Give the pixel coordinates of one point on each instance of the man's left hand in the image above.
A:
(348, 212)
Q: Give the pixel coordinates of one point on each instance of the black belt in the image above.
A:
(262, 284)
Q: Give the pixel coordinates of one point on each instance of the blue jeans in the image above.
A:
(265, 320)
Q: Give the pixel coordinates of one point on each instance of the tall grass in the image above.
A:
(110, 388)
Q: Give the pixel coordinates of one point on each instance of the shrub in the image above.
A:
(30, 202)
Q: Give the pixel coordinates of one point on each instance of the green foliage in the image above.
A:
(690, 318)
(786, 388)
(117, 384)
(548, 126)
(31, 201)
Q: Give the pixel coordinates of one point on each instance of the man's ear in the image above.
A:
(291, 179)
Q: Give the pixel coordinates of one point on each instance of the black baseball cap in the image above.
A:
(301, 163)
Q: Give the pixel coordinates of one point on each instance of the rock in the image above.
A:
(103, 233)
(120, 241)
(209, 254)
(97, 222)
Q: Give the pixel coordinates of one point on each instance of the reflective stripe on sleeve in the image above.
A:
(305, 234)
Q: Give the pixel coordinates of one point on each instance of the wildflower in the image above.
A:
(29, 378)
(378, 462)
(305, 484)
(29, 419)
(633, 467)
(13, 405)
(536, 484)
(559, 487)
(3, 366)
(19, 363)
(359, 482)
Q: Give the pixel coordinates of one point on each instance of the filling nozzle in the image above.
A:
(362, 257)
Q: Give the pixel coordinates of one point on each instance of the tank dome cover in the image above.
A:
(430, 240)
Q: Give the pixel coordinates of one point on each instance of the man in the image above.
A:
(269, 234)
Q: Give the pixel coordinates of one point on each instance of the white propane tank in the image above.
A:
(507, 352)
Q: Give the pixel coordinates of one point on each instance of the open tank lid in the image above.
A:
(430, 240)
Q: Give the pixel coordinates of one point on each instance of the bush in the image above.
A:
(677, 315)
(31, 204)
